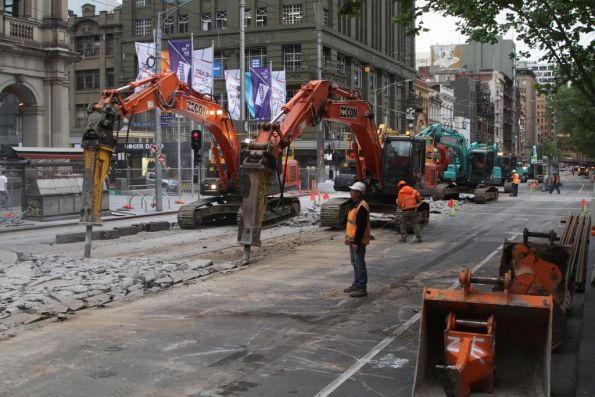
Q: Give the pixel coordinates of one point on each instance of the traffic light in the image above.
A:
(195, 140)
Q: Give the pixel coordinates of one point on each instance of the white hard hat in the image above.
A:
(359, 186)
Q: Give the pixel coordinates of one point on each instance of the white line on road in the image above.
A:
(582, 185)
(331, 387)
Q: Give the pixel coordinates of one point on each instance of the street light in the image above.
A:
(376, 91)
(158, 170)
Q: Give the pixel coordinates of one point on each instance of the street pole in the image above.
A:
(320, 174)
(158, 170)
(242, 66)
(179, 158)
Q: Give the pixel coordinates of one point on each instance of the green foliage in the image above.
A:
(549, 149)
(575, 116)
(553, 26)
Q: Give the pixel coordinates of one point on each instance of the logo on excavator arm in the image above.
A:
(196, 108)
(348, 112)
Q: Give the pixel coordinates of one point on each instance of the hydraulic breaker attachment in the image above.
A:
(494, 342)
(98, 144)
(96, 161)
(257, 169)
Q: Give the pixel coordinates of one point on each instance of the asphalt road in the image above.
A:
(282, 326)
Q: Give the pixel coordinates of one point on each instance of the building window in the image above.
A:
(88, 46)
(11, 7)
(87, 79)
(327, 62)
(385, 84)
(247, 18)
(168, 25)
(256, 57)
(357, 75)
(221, 20)
(109, 44)
(292, 13)
(292, 57)
(206, 21)
(218, 64)
(80, 114)
(261, 16)
(340, 63)
(143, 3)
(110, 78)
(183, 24)
(143, 27)
(325, 17)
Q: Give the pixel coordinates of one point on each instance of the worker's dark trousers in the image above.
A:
(358, 261)
(515, 189)
(554, 186)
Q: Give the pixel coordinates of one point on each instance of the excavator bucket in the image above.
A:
(96, 161)
(479, 343)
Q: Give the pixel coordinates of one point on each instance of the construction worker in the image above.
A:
(4, 197)
(555, 183)
(357, 237)
(515, 183)
(407, 201)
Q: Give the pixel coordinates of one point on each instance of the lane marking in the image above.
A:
(582, 187)
(334, 385)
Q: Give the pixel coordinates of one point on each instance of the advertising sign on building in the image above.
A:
(447, 56)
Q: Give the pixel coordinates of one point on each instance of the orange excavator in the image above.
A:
(386, 160)
(166, 92)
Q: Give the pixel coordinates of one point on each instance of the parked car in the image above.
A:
(167, 184)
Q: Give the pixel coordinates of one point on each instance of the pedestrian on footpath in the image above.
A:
(555, 183)
(4, 197)
(407, 201)
(357, 237)
(515, 183)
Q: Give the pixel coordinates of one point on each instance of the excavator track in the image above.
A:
(485, 194)
(289, 209)
(195, 214)
(333, 213)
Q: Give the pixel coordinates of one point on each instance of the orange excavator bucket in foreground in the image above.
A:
(481, 343)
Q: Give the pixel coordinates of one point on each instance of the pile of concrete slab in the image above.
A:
(37, 287)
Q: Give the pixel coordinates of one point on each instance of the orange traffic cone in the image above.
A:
(180, 202)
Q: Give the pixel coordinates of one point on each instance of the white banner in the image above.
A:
(202, 70)
(232, 84)
(145, 52)
(279, 94)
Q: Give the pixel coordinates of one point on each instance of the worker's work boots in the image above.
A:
(360, 292)
(351, 288)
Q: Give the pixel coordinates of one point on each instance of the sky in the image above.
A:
(442, 29)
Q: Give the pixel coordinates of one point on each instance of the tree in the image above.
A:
(549, 149)
(553, 26)
(575, 116)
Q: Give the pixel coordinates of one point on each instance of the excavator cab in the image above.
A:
(481, 165)
(404, 159)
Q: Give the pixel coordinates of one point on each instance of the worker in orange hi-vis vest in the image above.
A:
(407, 201)
(357, 237)
(515, 183)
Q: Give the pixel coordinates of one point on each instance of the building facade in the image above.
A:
(97, 40)
(527, 107)
(35, 58)
(545, 130)
(368, 53)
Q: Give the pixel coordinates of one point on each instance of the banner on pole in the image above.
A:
(279, 92)
(261, 92)
(180, 59)
(202, 70)
(232, 85)
(248, 95)
(145, 52)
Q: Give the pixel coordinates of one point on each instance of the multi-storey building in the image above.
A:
(96, 38)
(368, 53)
(34, 80)
(527, 107)
(545, 131)
(545, 73)
(446, 98)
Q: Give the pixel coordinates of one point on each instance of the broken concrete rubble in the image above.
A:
(50, 286)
